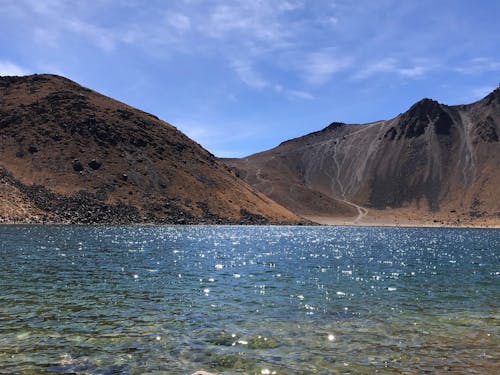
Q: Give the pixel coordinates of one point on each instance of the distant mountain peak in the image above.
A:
(424, 107)
(414, 122)
(433, 163)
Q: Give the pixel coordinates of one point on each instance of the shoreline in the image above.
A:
(324, 222)
(403, 223)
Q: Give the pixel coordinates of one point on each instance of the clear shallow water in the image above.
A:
(250, 300)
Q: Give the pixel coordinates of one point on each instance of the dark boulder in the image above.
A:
(77, 165)
(94, 164)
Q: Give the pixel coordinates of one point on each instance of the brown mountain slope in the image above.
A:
(434, 164)
(68, 153)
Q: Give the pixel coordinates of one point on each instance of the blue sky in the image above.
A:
(241, 76)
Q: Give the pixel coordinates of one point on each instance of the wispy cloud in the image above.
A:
(480, 65)
(179, 22)
(216, 58)
(300, 94)
(47, 7)
(8, 68)
(258, 21)
(320, 66)
(53, 20)
(253, 79)
(394, 66)
(99, 36)
(252, 27)
(248, 75)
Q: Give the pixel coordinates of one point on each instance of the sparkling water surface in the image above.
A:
(248, 300)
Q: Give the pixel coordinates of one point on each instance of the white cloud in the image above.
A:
(320, 66)
(179, 22)
(133, 35)
(413, 72)
(300, 94)
(10, 69)
(394, 66)
(381, 66)
(257, 20)
(46, 7)
(248, 75)
(52, 20)
(101, 37)
(257, 25)
(480, 65)
(329, 21)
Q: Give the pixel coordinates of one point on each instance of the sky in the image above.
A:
(241, 76)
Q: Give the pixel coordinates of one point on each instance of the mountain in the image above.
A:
(434, 164)
(69, 154)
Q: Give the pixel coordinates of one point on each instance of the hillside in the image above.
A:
(432, 165)
(69, 154)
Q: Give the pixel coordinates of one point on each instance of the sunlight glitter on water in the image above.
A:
(248, 299)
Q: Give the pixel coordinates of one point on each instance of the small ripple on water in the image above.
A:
(293, 300)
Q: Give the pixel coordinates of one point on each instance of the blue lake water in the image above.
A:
(248, 300)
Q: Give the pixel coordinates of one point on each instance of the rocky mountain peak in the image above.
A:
(435, 163)
(423, 108)
(416, 120)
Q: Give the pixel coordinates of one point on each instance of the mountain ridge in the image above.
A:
(435, 160)
(70, 154)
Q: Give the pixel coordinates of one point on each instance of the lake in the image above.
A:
(249, 300)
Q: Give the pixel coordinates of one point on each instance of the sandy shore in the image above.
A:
(394, 221)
